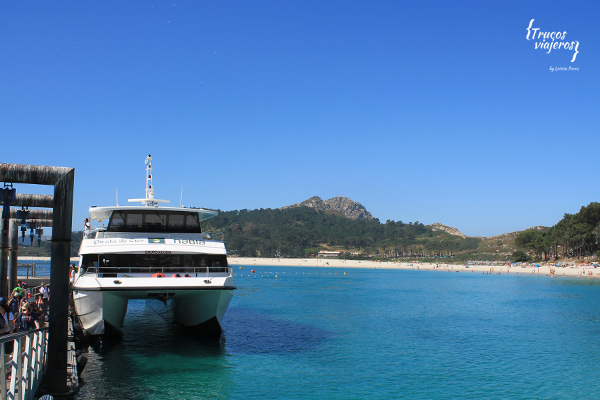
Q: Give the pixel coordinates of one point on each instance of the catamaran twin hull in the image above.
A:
(197, 303)
(151, 252)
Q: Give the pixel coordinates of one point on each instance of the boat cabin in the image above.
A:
(152, 219)
(116, 264)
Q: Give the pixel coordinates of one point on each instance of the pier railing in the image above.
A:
(22, 370)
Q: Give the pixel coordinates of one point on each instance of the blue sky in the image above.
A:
(421, 111)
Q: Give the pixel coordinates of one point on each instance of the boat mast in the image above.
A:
(149, 189)
(150, 201)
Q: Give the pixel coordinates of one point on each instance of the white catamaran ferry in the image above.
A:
(152, 252)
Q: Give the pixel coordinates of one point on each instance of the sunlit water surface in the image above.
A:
(311, 333)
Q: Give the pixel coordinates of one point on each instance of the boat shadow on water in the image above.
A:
(246, 331)
(181, 341)
(249, 331)
(152, 346)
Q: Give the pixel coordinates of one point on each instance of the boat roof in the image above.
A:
(100, 213)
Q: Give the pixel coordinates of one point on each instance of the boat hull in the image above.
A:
(200, 309)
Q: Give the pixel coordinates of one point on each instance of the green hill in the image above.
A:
(303, 231)
(576, 236)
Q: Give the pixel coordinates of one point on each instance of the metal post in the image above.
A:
(13, 247)
(59, 276)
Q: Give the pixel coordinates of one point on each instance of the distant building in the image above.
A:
(329, 253)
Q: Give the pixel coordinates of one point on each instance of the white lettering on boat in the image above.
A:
(118, 241)
(188, 241)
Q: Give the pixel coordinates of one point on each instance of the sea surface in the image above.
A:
(316, 333)
(33, 268)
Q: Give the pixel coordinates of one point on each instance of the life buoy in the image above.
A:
(158, 275)
(175, 276)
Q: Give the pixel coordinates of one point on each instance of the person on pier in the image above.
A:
(28, 319)
(7, 316)
(19, 289)
(45, 294)
(41, 305)
(7, 323)
(14, 303)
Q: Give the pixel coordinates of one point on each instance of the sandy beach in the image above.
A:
(571, 270)
(544, 269)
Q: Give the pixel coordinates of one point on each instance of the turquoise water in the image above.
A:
(314, 333)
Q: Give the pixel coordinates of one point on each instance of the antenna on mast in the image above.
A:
(149, 200)
(117, 195)
(149, 189)
(181, 198)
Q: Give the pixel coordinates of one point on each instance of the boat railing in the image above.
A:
(102, 233)
(202, 271)
(93, 233)
(24, 367)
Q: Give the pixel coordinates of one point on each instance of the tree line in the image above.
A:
(575, 235)
(302, 231)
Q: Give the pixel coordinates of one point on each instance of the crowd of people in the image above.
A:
(23, 311)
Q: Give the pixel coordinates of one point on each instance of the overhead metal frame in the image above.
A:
(62, 179)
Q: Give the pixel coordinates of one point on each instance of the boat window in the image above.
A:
(117, 220)
(134, 221)
(191, 221)
(176, 221)
(154, 221)
(164, 263)
(90, 261)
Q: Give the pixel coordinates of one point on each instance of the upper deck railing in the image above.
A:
(175, 272)
(102, 233)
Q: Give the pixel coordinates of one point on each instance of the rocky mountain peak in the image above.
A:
(313, 202)
(342, 205)
(448, 229)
